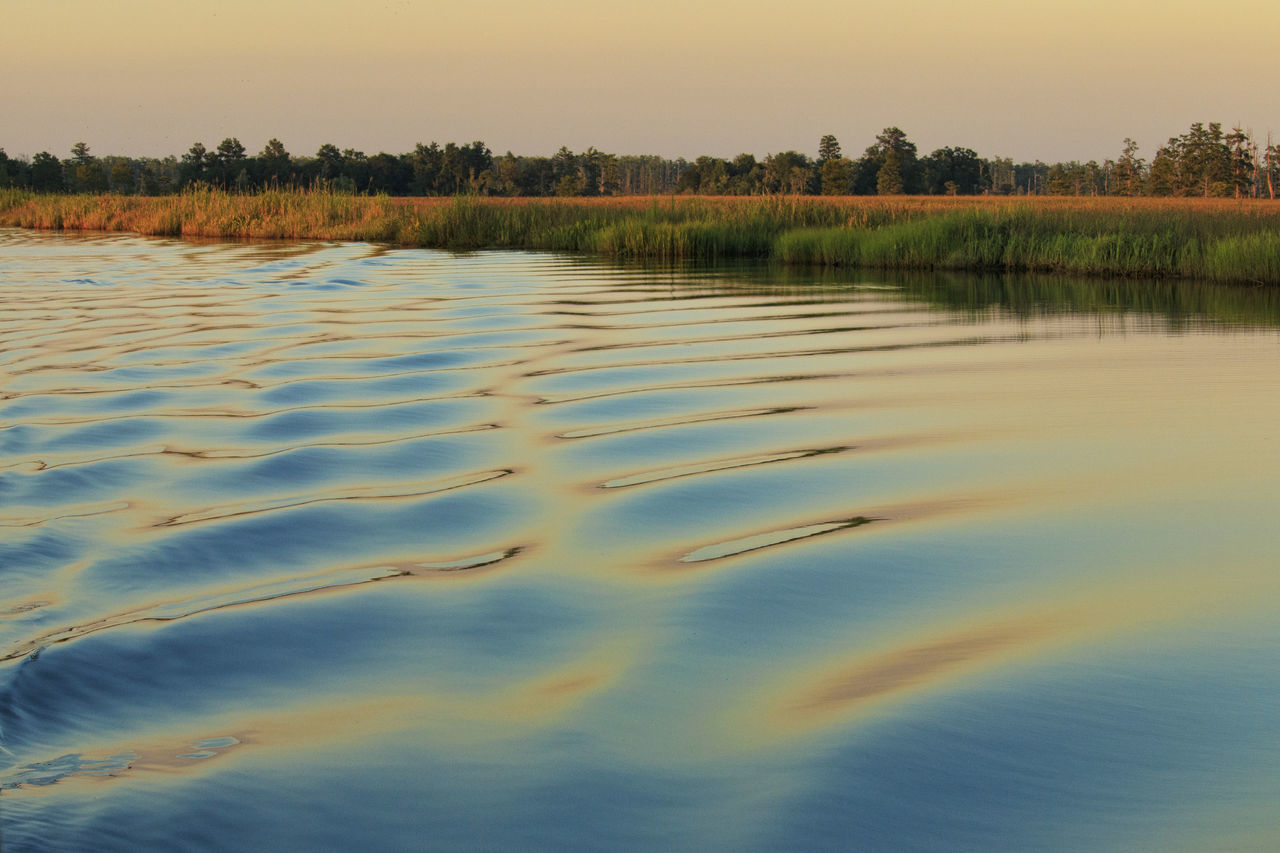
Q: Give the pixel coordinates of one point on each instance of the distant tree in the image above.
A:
(83, 172)
(509, 175)
(88, 176)
(836, 174)
(478, 160)
(690, 180)
(1003, 179)
(274, 150)
(16, 171)
(1129, 171)
(354, 170)
(1091, 179)
(149, 179)
(194, 166)
(1031, 178)
(227, 162)
(122, 180)
(80, 154)
(1164, 178)
(1204, 161)
(425, 162)
(537, 176)
(828, 149)
(907, 168)
(1059, 180)
(454, 169)
(592, 170)
(893, 138)
(565, 162)
(639, 173)
(567, 180)
(865, 170)
(716, 177)
(46, 173)
(1243, 162)
(390, 174)
(92, 178)
(328, 162)
(706, 175)
(569, 185)
(889, 177)
(960, 167)
(788, 172)
(611, 175)
(719, 176)
(746, 176)
(274, 165)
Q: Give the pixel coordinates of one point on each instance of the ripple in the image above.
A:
(726, 554)
(262, 593)
(777, 354)
(87, 512)
(593, 432)
(770, 538)
(370, 494)
(718, 465)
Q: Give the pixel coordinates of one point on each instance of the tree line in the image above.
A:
(1204, 161)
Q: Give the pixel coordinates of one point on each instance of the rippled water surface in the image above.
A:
(330, 547)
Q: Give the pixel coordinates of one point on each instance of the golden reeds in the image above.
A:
(1211, 239)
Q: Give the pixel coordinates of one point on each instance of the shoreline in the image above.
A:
(1234, 241)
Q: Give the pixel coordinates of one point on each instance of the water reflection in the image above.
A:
(317, 546)
(1179, 304)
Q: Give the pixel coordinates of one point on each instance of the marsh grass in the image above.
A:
(1212, 240)
(1215, 242)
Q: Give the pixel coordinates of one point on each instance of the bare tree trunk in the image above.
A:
(1253, 156)
(1271, 190)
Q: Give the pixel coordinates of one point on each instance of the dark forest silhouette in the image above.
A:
(1203, 162)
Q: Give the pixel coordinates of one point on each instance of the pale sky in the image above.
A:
(1050, 80)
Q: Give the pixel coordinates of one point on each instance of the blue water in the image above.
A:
(328, 547)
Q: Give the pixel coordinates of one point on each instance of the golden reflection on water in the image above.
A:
(881, 676)
(737, 519)
(866, 682)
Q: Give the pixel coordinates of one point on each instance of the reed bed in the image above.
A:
(1212, 240)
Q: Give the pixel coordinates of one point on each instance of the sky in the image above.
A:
(1049, 80)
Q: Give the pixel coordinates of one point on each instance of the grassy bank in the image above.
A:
(1210, 240)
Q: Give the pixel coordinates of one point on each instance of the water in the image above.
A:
(329, 547)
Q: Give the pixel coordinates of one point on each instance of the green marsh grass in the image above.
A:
(1211, 240)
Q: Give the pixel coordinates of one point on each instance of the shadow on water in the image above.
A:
(1180, 304)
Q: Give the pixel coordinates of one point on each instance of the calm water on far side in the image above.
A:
(327, 547)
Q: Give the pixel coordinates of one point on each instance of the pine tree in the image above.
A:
(836, 175)
(828, 149)
(1243, 153)
(889, 178)
(1128, 170)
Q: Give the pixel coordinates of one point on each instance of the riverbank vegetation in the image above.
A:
(1218, 240)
